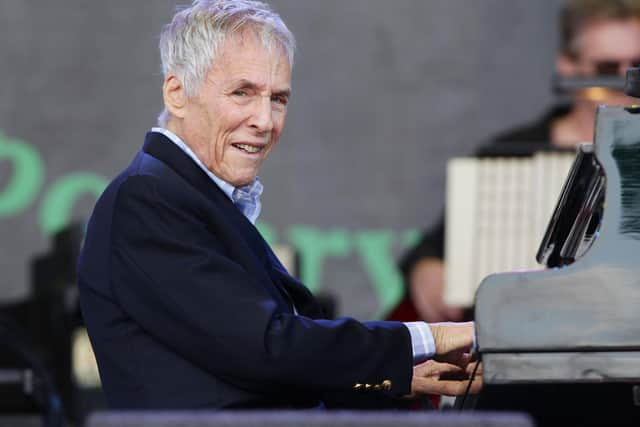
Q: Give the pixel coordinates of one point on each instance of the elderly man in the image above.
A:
(185, 303)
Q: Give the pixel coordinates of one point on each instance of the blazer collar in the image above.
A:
(162, 148)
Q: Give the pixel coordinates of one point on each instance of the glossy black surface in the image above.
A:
(587, 303)
(627, 158)
(632, 83)
(576, 219)
(563, 343)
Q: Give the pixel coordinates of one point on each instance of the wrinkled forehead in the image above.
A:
(249, 50)
(257, 38)
(246, 61)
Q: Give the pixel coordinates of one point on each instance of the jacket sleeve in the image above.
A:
(174, 275)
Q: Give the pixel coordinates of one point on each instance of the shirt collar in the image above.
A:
(246, 198)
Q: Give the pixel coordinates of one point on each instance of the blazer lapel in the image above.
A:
(302, 298)
(289, 289)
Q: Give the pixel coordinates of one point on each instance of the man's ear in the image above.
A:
(566, 66)
(174, 97)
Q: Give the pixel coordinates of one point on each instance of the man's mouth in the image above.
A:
(247, 148)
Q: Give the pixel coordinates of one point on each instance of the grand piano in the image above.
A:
(564, 343)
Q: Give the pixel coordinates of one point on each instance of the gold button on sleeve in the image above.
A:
(386, 385)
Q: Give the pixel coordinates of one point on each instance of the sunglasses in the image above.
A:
(613, 67)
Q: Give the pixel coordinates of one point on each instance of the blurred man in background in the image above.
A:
(598, 38)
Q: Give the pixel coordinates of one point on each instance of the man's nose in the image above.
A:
(262, 119)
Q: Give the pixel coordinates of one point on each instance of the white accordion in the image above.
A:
(497, 211)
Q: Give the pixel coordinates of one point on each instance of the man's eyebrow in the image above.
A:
(283, 92)
(248, 84)
(245, 83)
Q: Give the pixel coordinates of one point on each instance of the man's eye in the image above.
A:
(240, 92)
(281, 99)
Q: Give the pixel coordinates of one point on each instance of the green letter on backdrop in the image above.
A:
(374, 248)
(58, 203)
(314, 246)
(28, 173)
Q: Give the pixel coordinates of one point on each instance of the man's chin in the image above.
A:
(243, 180)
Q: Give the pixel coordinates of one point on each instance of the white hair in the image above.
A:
(190, 43)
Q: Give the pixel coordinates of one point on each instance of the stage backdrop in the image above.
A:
(384, 92)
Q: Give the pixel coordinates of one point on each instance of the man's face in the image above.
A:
(240, 112)
(607, 48)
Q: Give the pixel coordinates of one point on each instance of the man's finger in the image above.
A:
(433, 377)
(457, 358)
(471, 367)
(432, 368)
(423, 385)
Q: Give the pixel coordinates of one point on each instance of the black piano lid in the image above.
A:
(576, 219)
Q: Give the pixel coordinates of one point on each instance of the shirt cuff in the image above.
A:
(422, 342)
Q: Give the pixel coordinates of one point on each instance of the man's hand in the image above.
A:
(433, 377)
(450, 370)
(453, 342)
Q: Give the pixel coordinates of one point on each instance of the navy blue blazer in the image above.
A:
(187, 306)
